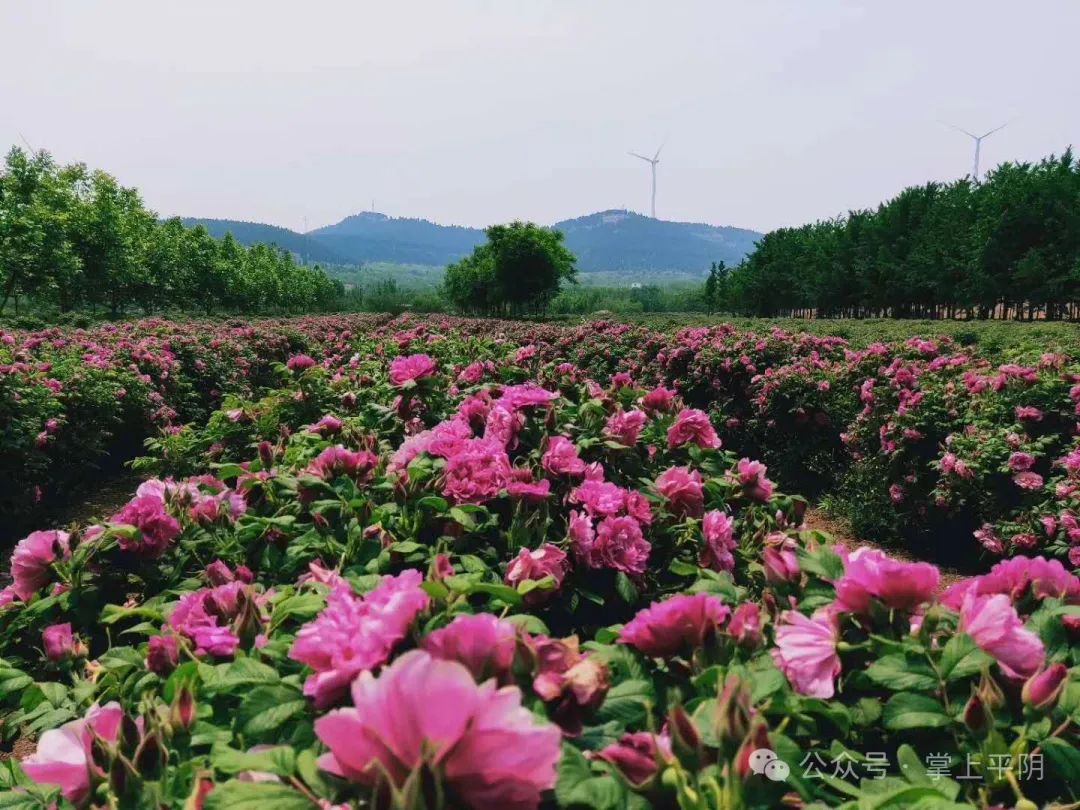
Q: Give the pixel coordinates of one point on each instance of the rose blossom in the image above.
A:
(488, 749)
(354, 634)
(681, 486)
(63, 755)
(535, 565)
(692, 426)
(678, 623)
(806, 652)
(869, 573)
(31, 559)
(484, 644)
(718, 529)
(993, 623)
(561, 457)
(412, 367)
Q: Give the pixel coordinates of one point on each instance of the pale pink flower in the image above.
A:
(993, 623)
(806, 652)
(353, 634)
(484, 745)
(677, 624)
(1028, 480)
(745, 625)
(571, 683)
(63, 755)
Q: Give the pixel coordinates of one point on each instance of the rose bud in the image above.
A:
(977, 717)
(163, 655)
(183, 711)
(266, 455)
(732, 718)
(990, 693)
(745, 625)
(685, 739)
(1042, 690)
(637, 755)
(218, 573)
(757, 738)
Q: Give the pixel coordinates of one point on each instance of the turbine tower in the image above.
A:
(978, 145)
(652, 164)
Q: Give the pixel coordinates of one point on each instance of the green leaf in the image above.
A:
(268, 707)
(279, 760)
(899, 673)
(245, 672)
(627, 702)
(907, 710)
(578, 786)
(13, 681)
(962, 658)
(625, 588)
(234, 795)
(1064, 759)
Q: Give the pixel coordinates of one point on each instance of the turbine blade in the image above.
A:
(663, 143)
(998, 129)
(958, 129)
(635, 154)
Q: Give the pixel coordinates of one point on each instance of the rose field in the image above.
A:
(451, 563)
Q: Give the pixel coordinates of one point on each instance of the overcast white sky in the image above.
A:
(479, 111)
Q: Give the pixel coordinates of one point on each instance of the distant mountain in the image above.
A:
(622, 240)
(609, 241)
(309, 250)
(372, 237)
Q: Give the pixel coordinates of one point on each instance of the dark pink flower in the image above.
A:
(625, 426)
(484, 644)
(681, 487)
(536, 565)
(751, 475)
(745, 625)
(658, 400)
(299, 362)
(620, 545)
(59, 642)
(692, 426)
(561, 457)
(163, 654)
(353, 634)
(486, 748)
(412, 367)
(677, 624)
(719, 530)
(477, 472)
(871, 574)
(638, 755)
(32, 558)
(157, 528)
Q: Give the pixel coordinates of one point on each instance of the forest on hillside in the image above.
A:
(1005, 247)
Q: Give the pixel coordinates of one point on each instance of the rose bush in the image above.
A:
(477, 578)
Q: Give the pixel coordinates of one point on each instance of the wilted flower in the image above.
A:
(489, 750)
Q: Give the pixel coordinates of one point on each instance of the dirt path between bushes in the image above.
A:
(841, 532)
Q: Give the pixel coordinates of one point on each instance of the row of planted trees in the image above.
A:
(1005, 247)
(73, 238)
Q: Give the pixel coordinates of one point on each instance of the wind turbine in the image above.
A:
(978, 144)
(652, 164)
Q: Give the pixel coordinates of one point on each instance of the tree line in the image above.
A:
(1005, 247)
(72, 238)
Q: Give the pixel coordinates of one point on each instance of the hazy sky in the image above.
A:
(474, 111)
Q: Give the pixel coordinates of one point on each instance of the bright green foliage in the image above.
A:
(73, 238)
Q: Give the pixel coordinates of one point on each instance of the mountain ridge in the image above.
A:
(614, 240)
